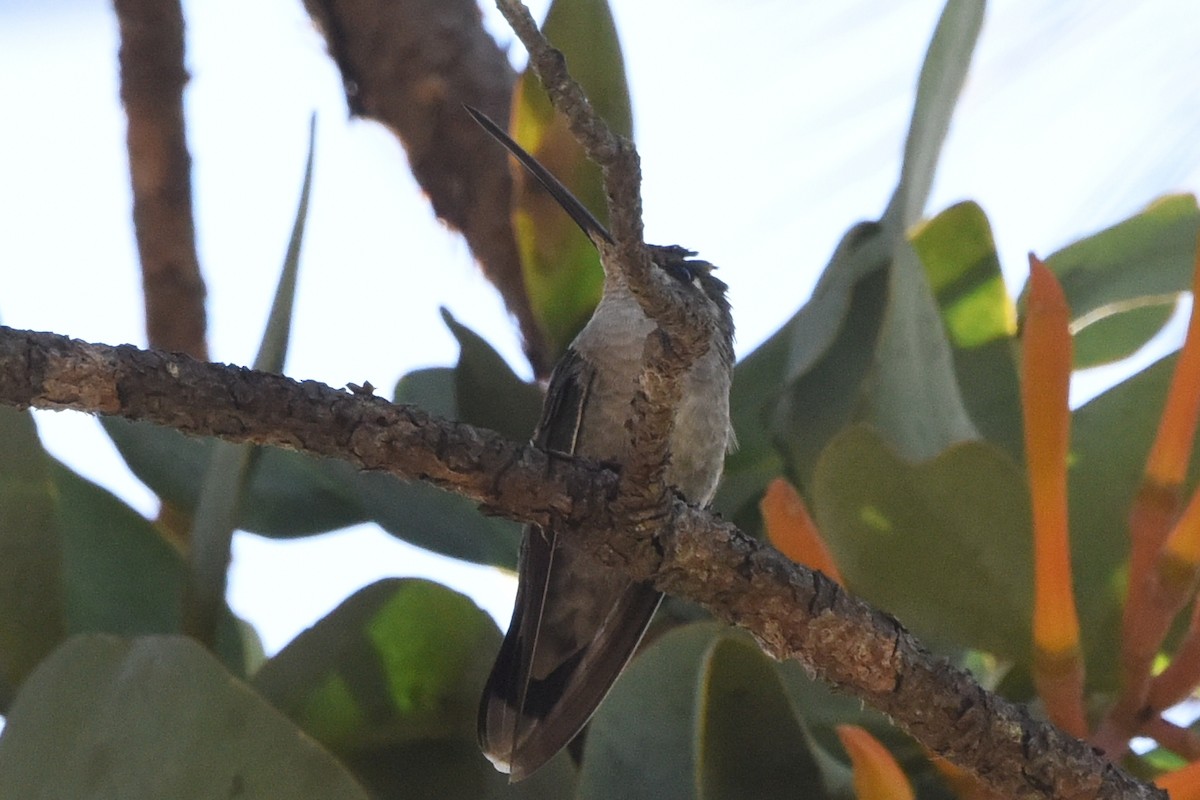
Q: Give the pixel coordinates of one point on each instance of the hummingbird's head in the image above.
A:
(675, 261)
(697, 274)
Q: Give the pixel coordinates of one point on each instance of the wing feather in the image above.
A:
(574, 625)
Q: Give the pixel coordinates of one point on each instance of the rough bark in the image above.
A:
(792, 612)
(152, 82)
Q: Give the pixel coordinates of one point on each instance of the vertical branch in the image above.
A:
(152, 81)
(412, 65)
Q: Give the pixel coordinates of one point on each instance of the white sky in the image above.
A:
(766, 128)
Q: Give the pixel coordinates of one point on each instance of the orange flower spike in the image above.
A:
(1181, 552)
(1158, 500)
(1045, 385)
(1168, 461)
(877, 776)
(1182, 784)
(792, 531)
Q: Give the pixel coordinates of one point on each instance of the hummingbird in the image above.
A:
(576, 623)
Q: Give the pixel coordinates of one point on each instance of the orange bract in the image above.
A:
(1045, 385)
(877, 776)
(792, 531)
(1168, 461)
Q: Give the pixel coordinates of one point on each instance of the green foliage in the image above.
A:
(1134, 268)
(714, 722)
(390, 682)
(32, 606)
(891, 399)
(155, 716)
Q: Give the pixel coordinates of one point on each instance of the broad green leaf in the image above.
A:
(1149, 256)
(751, 743)
(32, 613)
(699, 713)
(831, 343)
(432, 388)
(290, 494)
(437, 520)
(642, 741)
(121, 576)
(157, 716)
(869, 345)
(822, 356)
(489, 394)
(230, 465)
(942, 76)
(958, 253)
(561, 267)
(1119, 330)
(295, 495)
(944, 544)
(912, 394)
(391, 681)
(429, 517)
(398, 661)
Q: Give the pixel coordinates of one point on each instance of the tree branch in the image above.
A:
(792, 612)
(411, 65)
(152, 81)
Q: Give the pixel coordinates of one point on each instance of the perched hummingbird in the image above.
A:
(576, 623)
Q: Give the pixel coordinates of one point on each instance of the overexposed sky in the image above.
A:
(766, 129)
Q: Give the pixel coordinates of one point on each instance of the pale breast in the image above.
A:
(615, 341)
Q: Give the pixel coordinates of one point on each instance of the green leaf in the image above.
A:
(751, 743)
(942, 76)
(482, 390)
(155, 717)
(945, 544)
(831, 343)
(398, 661)
(227, 473)
(32, 607)
(272, 352)
(642, 740)
(699, 713)
(489, 394)
(1119, 330)
(121, 576)
(561, 267)
(912, 393)
(1149, 256)
(290, 494)
(869, 345)
(958, 253)
(433, 389)
(391, 680)
(437, 520)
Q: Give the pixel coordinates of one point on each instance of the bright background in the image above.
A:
(766, 128)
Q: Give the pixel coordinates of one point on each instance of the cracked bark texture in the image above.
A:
(792, 612)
